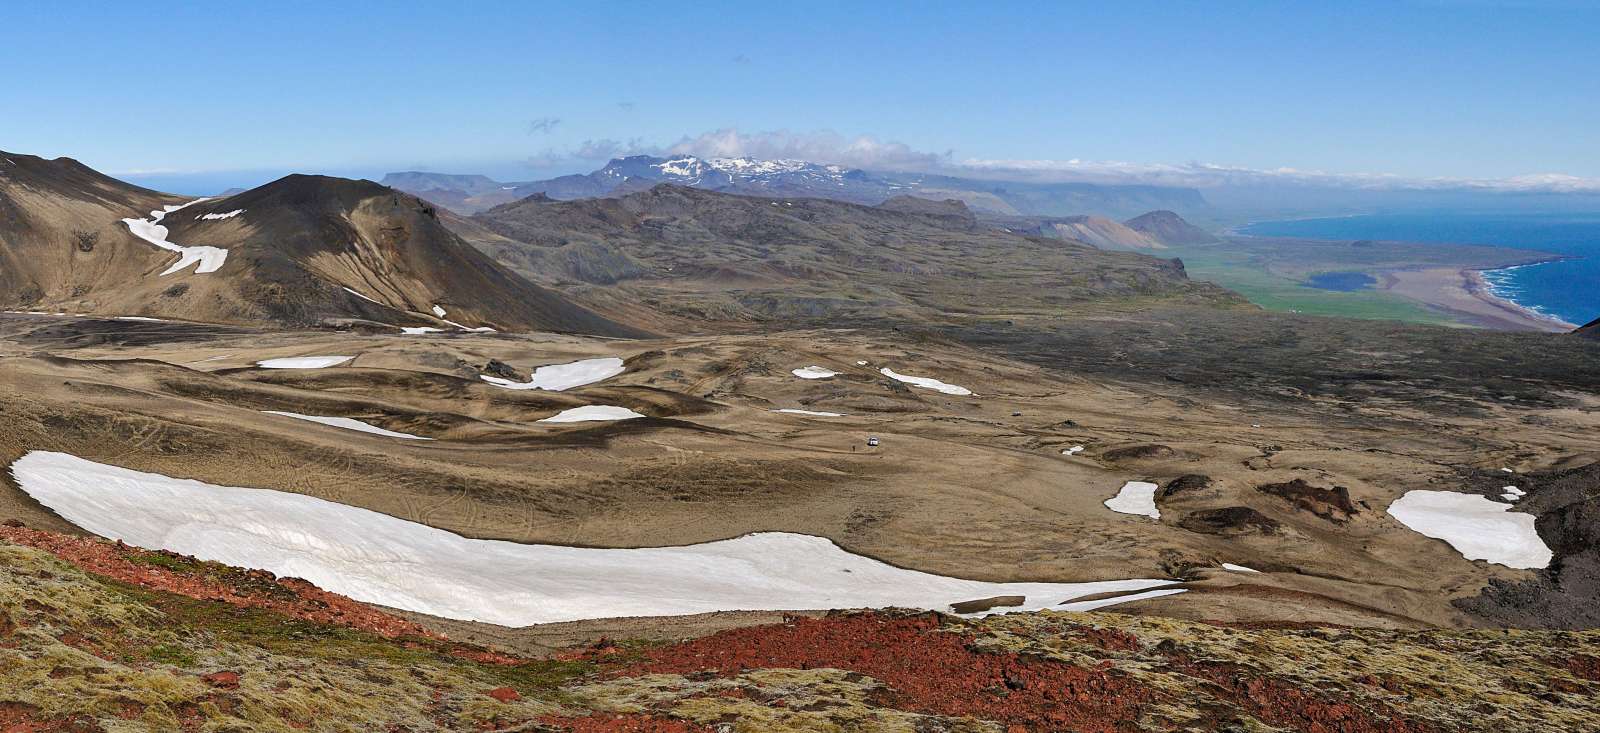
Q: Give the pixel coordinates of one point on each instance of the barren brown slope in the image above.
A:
(1168, 228)
(298, 252)
(705, 256)
(1592, 330)
(61, 234)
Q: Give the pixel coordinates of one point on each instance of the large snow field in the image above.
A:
(152, 231)
(1478, 528)
(589, 413)
(348, 424)
(558, 377)
(928, 382)
(1136, 497)
(303, 362)
(380, 559)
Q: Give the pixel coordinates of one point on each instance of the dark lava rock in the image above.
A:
(1154, 451)
(984, 604)
(502, 370)
(1230, 522)
(1332, 504)
(1563, 595)
(1184, 483)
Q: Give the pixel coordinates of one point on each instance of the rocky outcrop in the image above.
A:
(1332, 504)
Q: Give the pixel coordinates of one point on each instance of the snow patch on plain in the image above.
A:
(380, 559)
(813, 372)
(419, 330)
(303, 362)
(347, 424)
(1477, 527)
(1136, 497)
(559, 377)
(928, 382)
(589, 413)
(359, 295)
(1238, 568)
(152, 231)
(814, 413)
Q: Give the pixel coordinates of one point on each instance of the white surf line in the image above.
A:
(813, 413)
(559, 377)
(303, 362)
(928, 382)
(590, 413)
(380, 559)
(347, 424)
(813, 372)
(151, 230)
(1477, 527)
(1136, 497)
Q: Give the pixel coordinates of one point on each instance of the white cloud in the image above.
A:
(1211, 175)
(873, 153)
(590, 152)
(824, 146)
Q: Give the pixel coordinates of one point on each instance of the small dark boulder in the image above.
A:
(500, 369)
(984, 604)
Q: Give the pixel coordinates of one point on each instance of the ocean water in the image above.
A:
(1567, 289)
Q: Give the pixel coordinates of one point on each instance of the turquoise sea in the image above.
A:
(1567, 289)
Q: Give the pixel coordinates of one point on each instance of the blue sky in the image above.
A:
(241, 90)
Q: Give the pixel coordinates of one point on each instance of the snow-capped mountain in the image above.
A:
(803, 179)
(717, 173)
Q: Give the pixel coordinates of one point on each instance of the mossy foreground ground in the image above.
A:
(87, 652)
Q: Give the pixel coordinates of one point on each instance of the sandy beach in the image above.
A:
(1464, 293)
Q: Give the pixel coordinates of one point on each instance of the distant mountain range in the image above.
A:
(469, 194)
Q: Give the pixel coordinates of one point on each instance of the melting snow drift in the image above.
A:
(559, 377)
(1136, 497)
(379, 559)
(589, 413)
(303, 362)
(926, 382)
(347, 424)
(814, 372)
(151, 230)
(813, 413)
(1479, 529)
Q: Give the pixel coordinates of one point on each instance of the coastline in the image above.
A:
(1465, 293)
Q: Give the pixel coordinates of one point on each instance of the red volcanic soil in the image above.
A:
(927, 670)
(628, 723)
(173, 573)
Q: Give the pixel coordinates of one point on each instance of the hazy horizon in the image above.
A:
(1422, 94)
